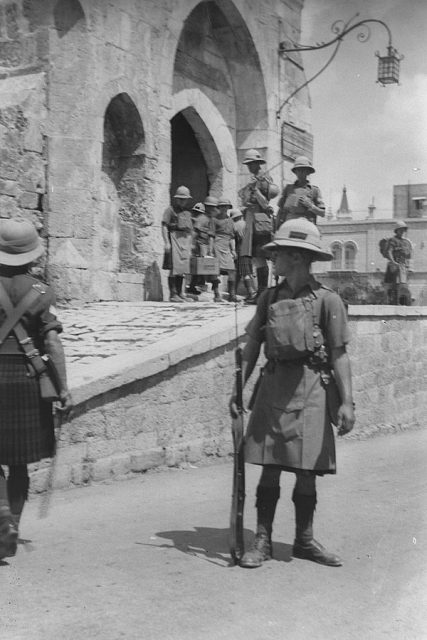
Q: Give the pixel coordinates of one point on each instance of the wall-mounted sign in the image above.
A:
(296, 142)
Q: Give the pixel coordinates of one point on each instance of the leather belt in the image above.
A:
(10, 347)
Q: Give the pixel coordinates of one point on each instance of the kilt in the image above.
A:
(26, 422)
(244, 265)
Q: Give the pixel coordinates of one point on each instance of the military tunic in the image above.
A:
(291, 420)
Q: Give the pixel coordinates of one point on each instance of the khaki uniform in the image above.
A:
(292, 416)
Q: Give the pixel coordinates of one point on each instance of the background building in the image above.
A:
(358, 267)
(106, 107)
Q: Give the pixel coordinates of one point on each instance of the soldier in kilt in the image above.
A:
(26, 421)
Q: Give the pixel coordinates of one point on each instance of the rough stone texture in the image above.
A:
(165, 403)
(89, 92)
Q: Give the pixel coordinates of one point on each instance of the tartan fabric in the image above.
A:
(26, 423)
(245, 266)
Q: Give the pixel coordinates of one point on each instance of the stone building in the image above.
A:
(358, 263)
(106, 107)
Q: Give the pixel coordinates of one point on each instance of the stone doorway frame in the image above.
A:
(214, 138)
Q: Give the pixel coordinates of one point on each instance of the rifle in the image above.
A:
(238, 494)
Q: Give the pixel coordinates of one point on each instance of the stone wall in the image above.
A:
(167, 405)
(89, 95)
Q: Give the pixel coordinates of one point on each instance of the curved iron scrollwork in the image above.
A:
(341, 29)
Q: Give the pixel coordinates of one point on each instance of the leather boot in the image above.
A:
(249, 286)
(231, 286)
(173, 294)
(262, 277)
(262, 549)
(215, 287)
(305, 546)
(178, 283)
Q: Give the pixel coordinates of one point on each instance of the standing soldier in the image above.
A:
(300, 199)
(204, 238)
(225, 249)
(29, 328)
(177, 228)
(224, 206)
(305, 388)
(255, 197)
(398, 251)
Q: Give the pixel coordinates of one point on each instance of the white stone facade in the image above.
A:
(96, 98)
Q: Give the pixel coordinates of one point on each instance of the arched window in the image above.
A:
(336, 250)
(350, 256)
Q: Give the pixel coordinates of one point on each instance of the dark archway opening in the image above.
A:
(188, 163)
(67, 14)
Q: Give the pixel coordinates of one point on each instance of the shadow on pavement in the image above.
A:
(212, 544)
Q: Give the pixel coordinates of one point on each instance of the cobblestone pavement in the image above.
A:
(97, 331)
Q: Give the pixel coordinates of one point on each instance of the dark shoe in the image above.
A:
(175, 298)
(260, 551)
(217, 298)
(317, 553)
(8, 537)
(194, 290)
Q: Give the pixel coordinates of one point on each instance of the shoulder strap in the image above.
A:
(14, 314)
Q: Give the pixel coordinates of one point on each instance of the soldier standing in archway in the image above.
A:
(177, 229)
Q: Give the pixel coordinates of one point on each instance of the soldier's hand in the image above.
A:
(305, 202)
(67, 403)
(233, 407)
(346, 419)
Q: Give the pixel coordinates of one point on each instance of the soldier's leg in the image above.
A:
(305, 546)
(215, 288)
(8, 531)
(231, 285)
(18, 484)
(268, 493)
(173, 293)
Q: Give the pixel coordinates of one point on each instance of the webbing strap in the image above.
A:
(14, 314)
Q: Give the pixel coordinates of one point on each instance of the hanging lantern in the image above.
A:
(389, 66)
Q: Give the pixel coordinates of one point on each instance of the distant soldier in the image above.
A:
(225, 247)
(177, 228)
(398, 251)
(258, 214)
(204, 239)
(300, 199)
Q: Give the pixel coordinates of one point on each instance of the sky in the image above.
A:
(366, 136)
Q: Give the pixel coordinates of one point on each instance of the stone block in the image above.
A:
(28, 200)
(101, 469)
(147, 459)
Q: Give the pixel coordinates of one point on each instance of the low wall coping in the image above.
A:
(87, 382)
(386, 310)
(93, 380)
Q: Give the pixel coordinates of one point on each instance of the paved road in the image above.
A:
(147, 558)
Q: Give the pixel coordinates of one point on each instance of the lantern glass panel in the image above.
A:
(388, 70)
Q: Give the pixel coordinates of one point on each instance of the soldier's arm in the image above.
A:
(342, 370)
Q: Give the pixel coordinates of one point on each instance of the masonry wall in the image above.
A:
(88, 91)
(179, 412)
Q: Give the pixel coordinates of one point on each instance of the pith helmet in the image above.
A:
(224, 202)
(252, 155)
(210, 201)
(183, 192)
(301, 234)
(19, 242)
(400, 225)
(302, 162)
(199, 207)
(235, 213)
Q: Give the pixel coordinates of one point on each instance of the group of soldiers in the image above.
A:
(234, 236)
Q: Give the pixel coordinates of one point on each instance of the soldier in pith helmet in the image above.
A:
(29, 328)
(258, 213)
(304, 389)
(177, 229)
(300, 199)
